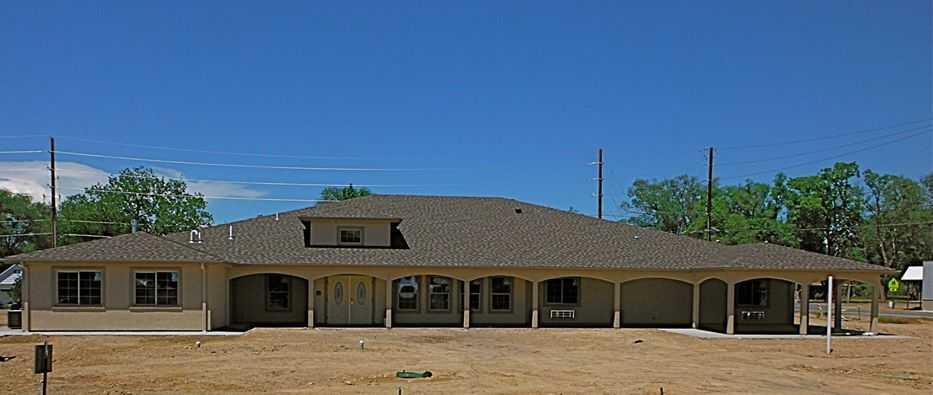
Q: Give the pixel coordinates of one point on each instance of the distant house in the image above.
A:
(394, 260)
(8, 279)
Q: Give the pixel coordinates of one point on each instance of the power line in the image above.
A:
(27, 234)
(209, 196)
(202, 151)
(822, 151)
(807, 140)
(22, 136)
(826, 158)
(67, 220)
(277, 183)
(22, 152)
(237, 165)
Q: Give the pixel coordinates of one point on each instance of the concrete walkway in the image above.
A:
(18, 332)
(716, 335)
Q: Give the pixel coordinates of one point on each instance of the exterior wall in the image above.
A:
(117, 311)
(375, 233)
(926, 291)
(424, 316)
(657, 302)
(521, 307)
(217, 295)
(779, 313)
(249, 302)
(594, 307)
(713, 305)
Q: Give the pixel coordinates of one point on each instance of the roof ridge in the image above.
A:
(219, 259)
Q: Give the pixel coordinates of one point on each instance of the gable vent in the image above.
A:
(518, 210)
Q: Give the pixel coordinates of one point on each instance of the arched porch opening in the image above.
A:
(713, 305)
(497, 301)
(426, 300)
(576, 301)
(349, 300)
(657, 303)
(268, 300)
(765, 305)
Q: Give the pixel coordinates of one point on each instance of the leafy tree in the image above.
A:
(347, 192)
(158, 205)
(746, 214)
(826, 210)
(19, 216)
(670, 205)
(892, 200)
(927, 183)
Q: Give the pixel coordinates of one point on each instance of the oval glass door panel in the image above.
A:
(338, 293)
(361, 293)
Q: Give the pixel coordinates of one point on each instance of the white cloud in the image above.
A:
(32, 178)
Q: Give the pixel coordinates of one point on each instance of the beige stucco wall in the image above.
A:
(713, 305)
(117, 312)
(640, 304)
(594, 307)
(249, 302)
(376, 233)
(657, 302)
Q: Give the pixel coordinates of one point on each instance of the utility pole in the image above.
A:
(709, 196)
(599, 183)
(54, 192)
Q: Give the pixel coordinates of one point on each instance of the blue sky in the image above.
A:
(484, 99)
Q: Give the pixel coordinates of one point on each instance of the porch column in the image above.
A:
(617, 305)
(390, 301)
(837, 306)
(804, 307)
(875, 298)
(466, 304)
(696, 305)
(311, 303)
(534, 304)
(730, 308)
(205, 324)
(26, 291)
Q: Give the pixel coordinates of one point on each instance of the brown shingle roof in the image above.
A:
(483, 232)
(132, 247)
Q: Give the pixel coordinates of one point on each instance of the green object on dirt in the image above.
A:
(413, 374)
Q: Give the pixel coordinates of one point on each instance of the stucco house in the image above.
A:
(395, 260)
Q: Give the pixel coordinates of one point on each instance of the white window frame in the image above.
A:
(78, 289)
(288, 294)
(156, 287)
(478, 306)
(398, 297)
(341, 229)
(493, 294)
(431, 293)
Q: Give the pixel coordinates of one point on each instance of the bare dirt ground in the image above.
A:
(477, 361)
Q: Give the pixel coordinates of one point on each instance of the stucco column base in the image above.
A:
(804, 308)
(875, 297)
(534, 304)
(617, 305)
(696, 305)
(730, 309)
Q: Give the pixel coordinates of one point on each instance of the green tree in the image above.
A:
(670, 205)
(158, 205)
(20, 216)
(746, 213)
(892, 200)
(826, 210)
(347, 192)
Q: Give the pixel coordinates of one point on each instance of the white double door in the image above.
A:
(350, 300)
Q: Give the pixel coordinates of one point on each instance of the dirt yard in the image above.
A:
(477, 361)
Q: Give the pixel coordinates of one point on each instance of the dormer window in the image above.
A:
(350, 236)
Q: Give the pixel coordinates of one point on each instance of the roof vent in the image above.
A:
(276, 216)
(195, 236)
(518, 210)
(230, 233)
(636, 237)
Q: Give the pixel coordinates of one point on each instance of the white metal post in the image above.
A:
(829, 315)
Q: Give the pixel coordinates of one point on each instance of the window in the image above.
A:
(501, 293)
(338, 293)
(79, 288)
(351, 235)
(476, 292)
(278, 290)
(752, 293)
(361, 294)
(407, 293)
(562, 290)
(156, 288)
(439, 293)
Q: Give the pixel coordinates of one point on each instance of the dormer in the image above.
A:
(352, 232)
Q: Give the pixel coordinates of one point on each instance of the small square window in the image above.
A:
(351, 235)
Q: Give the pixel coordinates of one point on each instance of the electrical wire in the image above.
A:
(277, 183)
(236, 165)
(207, 196)
(203, 151)
(807, 140)
(22, 152)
